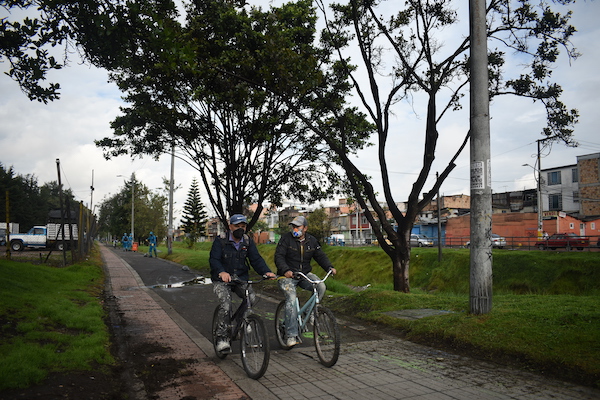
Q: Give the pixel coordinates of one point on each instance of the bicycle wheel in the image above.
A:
(280, 326)
(254, 347)
(215, 324)
(327, 336)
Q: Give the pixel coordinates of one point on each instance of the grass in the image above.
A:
(52, 320)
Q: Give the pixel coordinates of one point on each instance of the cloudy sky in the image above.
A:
(33, 135)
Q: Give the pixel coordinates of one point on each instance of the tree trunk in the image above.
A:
(400, 267)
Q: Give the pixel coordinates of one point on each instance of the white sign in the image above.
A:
(477, 175)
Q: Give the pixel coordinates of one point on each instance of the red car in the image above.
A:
(569, 240)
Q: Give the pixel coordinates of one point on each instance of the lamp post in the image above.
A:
(132, 198)
(540, 227)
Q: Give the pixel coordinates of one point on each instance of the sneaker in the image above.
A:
(292, 341)
(223, 345)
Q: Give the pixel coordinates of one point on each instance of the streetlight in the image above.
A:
(540, 227)
(132, 209)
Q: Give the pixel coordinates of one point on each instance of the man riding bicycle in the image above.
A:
(293, 254)
(228, 256)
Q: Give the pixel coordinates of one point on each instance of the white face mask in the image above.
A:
(297, 232)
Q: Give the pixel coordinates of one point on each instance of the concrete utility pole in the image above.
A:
(480, 301)
(171, 188)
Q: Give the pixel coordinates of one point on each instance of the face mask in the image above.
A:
(297, 233)
(239, 233)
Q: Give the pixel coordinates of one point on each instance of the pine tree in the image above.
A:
(194, 216)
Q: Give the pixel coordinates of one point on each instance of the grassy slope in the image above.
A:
(52, 320)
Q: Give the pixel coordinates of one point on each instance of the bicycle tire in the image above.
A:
(280, 326)
(254, 347)
(327, 336)
(215, 323)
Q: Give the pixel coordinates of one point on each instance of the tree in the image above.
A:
(114, 216)
(402, 59)
(319, 224)
(243, 140)
(194, 217)
(103, 32)
(30, 203)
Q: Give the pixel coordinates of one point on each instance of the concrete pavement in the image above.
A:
(383, 369)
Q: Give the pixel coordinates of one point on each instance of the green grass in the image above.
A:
(52, 320)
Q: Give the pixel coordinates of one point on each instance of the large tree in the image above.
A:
(402, 58)
(200, 88)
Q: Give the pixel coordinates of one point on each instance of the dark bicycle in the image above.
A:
(250, 329)
(325, 328)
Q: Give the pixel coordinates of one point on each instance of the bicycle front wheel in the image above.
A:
(215, 323)
(327, 336)
(255, 347)
(280, 326)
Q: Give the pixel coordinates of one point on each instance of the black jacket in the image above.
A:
(292, 254)
(224, 257)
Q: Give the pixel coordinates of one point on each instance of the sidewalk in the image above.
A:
(145, 321)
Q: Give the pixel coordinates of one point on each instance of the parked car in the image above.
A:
(569, 240)
(2, 236)
(420, 241)
(497, 241)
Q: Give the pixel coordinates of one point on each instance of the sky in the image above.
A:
(34, 135)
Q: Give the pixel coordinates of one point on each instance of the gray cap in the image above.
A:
(299, 221)
(237, 219)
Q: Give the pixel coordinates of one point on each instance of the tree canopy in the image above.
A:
(200, 87)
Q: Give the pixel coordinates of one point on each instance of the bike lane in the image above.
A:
(376, 366)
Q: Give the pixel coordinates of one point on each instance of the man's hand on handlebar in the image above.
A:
(225, 277)
(270, 275)
(289, 274)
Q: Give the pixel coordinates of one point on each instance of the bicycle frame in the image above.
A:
(310, 304)
(245, 308)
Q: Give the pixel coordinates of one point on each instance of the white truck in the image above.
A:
(42, 237)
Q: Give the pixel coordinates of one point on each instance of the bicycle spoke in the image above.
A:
(255, 347)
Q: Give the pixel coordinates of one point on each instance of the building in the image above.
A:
(589, 185)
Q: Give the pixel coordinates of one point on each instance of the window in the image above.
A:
(554, 178)
(575, 174)
(593, 226)
(555, 202)
(576, 196)
(571, 226)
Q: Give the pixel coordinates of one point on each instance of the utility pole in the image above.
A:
(171, 188)
(480, 301)
(62, 213)
(439, 222)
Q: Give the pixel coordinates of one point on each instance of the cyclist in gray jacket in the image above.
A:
(294, 253)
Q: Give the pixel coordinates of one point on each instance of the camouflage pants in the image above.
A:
(223, 292)
(288, 287)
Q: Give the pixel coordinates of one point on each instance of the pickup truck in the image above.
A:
(568, 240)
(41, 237)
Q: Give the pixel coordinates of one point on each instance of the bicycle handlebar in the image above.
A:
(310, 280)
(236, 280)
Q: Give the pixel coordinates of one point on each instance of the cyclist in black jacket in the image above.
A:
(293, 254)
(228, 256)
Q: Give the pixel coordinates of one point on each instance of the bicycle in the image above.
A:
(325, 328)
(250, 329)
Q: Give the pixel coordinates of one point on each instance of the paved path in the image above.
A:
(381, 369)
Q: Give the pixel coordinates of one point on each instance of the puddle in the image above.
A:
(416, 313)
(199, 280)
